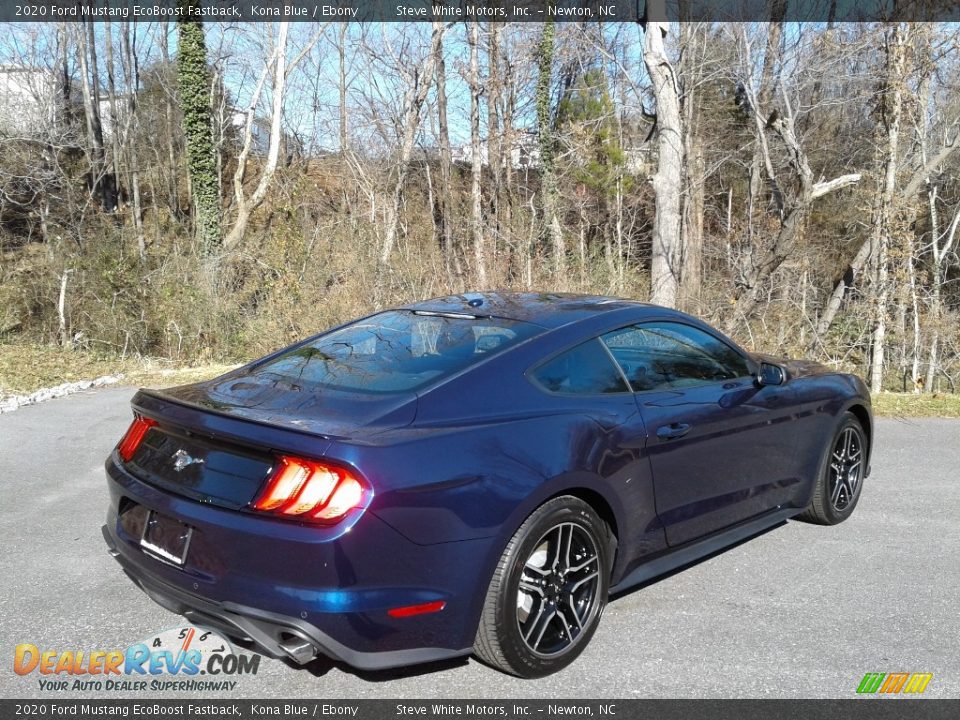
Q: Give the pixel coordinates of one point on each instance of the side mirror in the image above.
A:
(770, 374)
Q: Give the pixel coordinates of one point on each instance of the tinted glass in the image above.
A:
(395, 351)
(657, 356)
(586, 369)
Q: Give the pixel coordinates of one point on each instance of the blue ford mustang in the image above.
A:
(472, 474)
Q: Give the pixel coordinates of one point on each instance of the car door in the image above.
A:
(719, 445)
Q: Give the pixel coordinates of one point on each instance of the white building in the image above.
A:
(259, 135)
(524, 151)
(30, 105)
(525, 154)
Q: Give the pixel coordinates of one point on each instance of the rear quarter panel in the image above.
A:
(489, 447)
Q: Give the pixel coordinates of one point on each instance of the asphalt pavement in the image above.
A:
(800, 611)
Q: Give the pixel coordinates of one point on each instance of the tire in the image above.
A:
(840, 482)
(561, 554)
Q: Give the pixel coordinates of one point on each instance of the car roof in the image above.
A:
(547, 309)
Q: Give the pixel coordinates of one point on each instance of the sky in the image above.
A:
(373, 53)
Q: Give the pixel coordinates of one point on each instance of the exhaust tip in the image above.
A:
(298, 650)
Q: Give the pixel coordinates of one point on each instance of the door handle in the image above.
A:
(673, 431)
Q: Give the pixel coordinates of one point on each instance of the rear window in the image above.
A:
(395, 351)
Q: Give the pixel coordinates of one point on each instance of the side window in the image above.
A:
(666, 355)
(585, 369)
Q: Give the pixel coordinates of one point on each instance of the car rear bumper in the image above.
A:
(297, 591)
(275, 634)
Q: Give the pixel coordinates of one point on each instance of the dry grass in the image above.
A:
(26, 368)
(889, 404)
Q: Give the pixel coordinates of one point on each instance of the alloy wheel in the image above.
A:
(558, 591)
(846, 468)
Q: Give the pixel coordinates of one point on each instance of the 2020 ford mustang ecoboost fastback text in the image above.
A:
(471, 474)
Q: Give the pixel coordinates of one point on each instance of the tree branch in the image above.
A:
(823, 188)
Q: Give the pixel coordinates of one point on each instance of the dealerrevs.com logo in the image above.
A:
(184, 659)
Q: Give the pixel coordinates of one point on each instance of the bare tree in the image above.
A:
(545, 138)
(172, 169)
(418, 81)
(131, 78)
(246, 205)
(450, 257)
(883, 223)
(90, 85)
(665, 260)
(476, 160)
(864, 252)
(691, 70)
(280, 70)
(342, 87)
(792, 201)
(495, 139)
(940, 248)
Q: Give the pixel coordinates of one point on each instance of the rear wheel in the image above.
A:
(841, 479)
(548, 592)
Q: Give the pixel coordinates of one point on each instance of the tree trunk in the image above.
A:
(450, 258)
(63, 331)
(495, 160)
(246, 206)
(116, 160)
(884, 213)
(342, 86)
(940, 253)
(665, 261)
(90, 83)
(131, 74)
(172, 165)
(193, 83)
(476, 165)
(761, 105)
(691, 73)
(548, 181)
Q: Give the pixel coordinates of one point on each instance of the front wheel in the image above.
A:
(841, 479)
(548, 592)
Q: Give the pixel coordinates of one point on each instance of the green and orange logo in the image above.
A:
(893, 683)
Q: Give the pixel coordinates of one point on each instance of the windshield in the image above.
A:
(395, 351)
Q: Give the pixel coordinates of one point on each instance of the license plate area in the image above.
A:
(166, 539)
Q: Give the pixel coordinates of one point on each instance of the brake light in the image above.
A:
(131, 441)
(310, 490)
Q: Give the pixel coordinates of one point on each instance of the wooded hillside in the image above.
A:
(213, 192)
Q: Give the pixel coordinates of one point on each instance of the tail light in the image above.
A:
(310, 490)
(131, 441)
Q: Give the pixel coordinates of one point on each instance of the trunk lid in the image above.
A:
(199, 467)
(272, 400)
(217, 442)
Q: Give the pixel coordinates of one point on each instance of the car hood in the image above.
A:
(329, 413)
(795, 368)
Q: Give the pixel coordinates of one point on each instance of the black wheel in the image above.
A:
(548, 592)
(841, 477)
